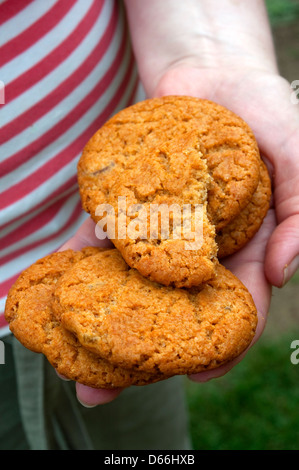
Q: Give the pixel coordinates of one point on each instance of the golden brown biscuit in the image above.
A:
(169, 237)
(29, 313)
(239, 231)
(131, 156)
(138, 324)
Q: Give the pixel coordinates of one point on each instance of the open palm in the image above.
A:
(263, 101)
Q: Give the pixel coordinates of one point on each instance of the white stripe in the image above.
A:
(16, 224)
(36, 93)
(24, 19)
(45, 189)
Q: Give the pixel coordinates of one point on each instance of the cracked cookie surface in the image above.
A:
(142, 325)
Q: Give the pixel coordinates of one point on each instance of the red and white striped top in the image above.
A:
(66, 66)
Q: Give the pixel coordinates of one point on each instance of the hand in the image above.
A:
(263, 100)
(86, 236)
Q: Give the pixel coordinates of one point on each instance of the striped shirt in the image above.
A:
(66, 67)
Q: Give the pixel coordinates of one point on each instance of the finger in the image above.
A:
(282, 257)
(248, 266)
(205, 376)
(91, 397)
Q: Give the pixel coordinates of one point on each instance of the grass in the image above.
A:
(282, 11)
(254, 406)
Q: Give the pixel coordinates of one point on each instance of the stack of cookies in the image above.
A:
(159, 303)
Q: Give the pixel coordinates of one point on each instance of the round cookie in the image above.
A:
(113, 165)
(239, 231)
(138, 324)
(30, 316)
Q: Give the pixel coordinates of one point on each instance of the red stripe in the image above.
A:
(34, 113)
(27, 185)
(66, 123)
(36, 223)
(10, 9)
(35, 32)
(58, 192)
(72, 219)
(55, 57)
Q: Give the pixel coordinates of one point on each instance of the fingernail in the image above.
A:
(290, 270)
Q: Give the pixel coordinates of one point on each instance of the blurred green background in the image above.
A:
(256, 405)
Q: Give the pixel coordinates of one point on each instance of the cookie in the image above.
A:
(239, 231)
(30, 316)
(131, 156)
(141, 325)
(168, 235)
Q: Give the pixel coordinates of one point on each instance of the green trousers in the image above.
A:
(39, 411)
